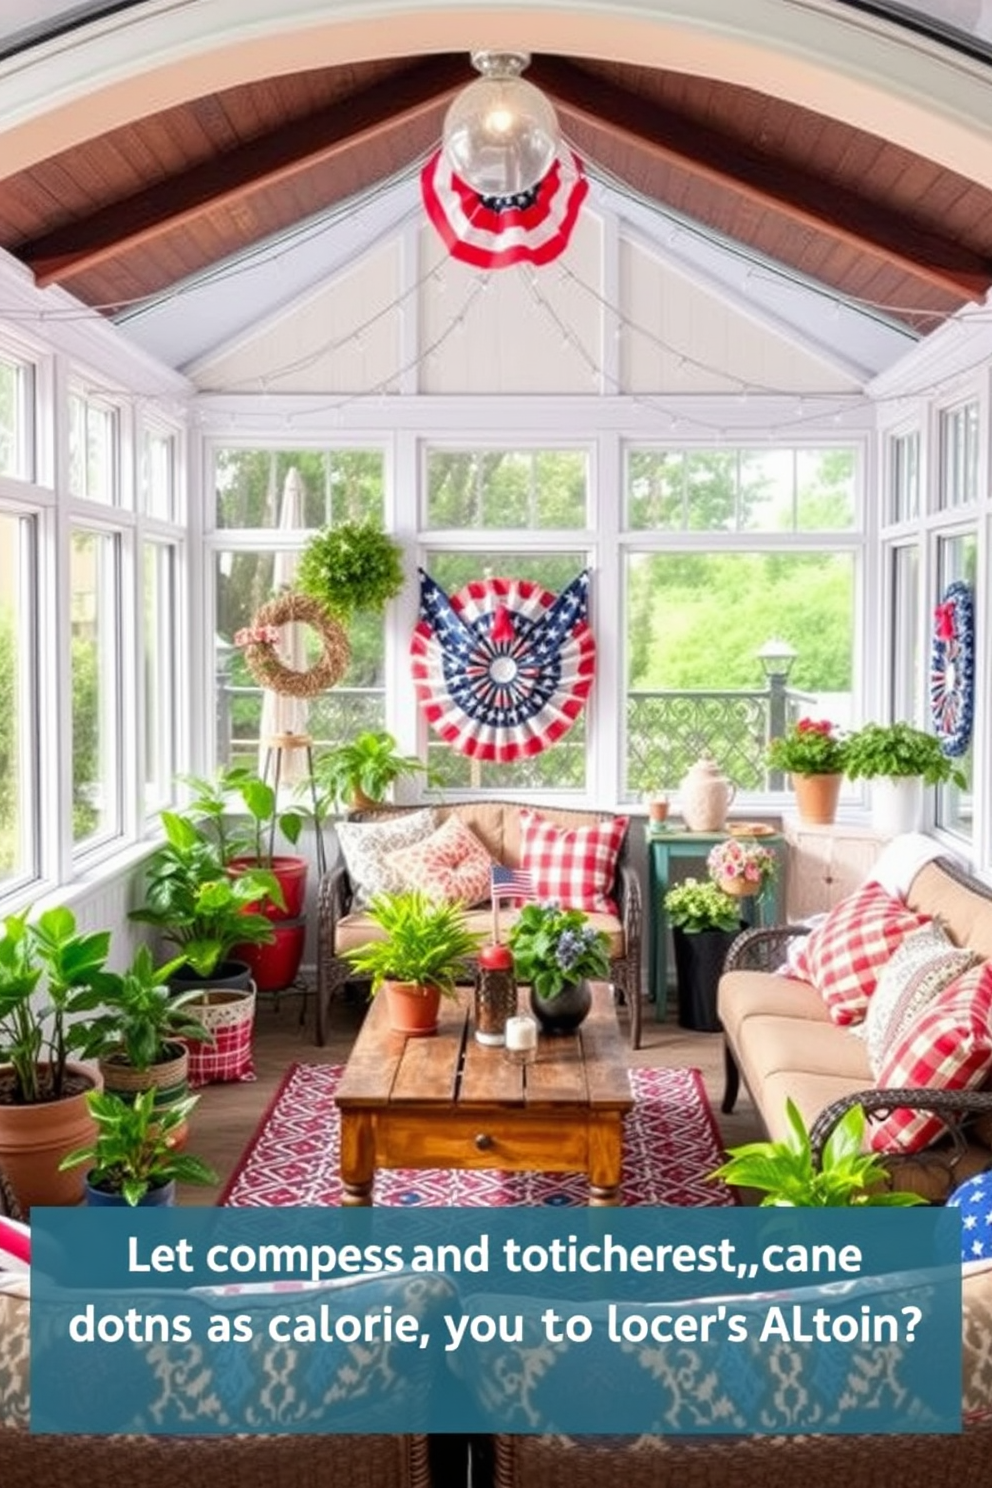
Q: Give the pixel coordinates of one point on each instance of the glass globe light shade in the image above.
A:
(501, 133)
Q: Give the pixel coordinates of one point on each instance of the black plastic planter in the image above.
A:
(699, 962)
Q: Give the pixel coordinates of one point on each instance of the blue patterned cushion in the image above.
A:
(974, 1199)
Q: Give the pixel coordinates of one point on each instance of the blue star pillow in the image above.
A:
(974, 1199)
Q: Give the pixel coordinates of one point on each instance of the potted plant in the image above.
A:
(425, 947)
(557, 952)
(814, 754)
(202, 909)
(47, 969)
(899, 760)
(135, 1157)
(787, 1176)
(351, 566)
(705, 922)
(362, 771)
(138, 1037)
(741, 868)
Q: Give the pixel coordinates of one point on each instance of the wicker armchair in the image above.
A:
(335, 896)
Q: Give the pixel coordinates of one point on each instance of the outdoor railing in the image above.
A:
(667, 731)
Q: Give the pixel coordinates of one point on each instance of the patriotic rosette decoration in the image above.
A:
(952, 669)
(492, 232)
(503, 668)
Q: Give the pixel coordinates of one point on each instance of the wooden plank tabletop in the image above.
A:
(451, 1068)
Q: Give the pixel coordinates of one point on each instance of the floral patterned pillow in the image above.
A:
(450, 865)
(366, 849)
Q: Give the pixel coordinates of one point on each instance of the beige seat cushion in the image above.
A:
(756, 994)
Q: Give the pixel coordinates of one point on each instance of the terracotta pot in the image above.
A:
(413, 1010)
(816, 797)
(34, 1139)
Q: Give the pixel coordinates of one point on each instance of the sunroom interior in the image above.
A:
(751, 397)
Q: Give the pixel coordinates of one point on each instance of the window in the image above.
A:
(294, 492)
(95, 613)
(18, 695)
(93, 449)
(959, 456)
(158, 476)
(160, 673)
(957, 558)
(16, 418)
(784, 490)
(904, 696)
(503, 488)
(904, 478)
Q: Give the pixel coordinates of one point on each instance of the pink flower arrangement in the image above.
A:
(746, 865)
(257, 635)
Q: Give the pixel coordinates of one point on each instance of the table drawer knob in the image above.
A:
(483, 1142)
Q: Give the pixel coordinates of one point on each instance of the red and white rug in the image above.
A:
(671, 1142)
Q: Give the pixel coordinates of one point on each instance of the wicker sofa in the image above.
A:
(780, 1038)
(497, 825)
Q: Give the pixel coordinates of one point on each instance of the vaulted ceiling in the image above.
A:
(129, 213)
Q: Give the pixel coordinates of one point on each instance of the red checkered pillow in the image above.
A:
(949, 1047)
(574, 865)
(844, 956)
(450, 865)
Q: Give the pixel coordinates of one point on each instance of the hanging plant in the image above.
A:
(354, 566)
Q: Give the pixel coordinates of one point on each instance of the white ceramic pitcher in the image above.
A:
(706, 795)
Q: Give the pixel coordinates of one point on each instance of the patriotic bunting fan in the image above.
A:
(952, 669)
(503, 668)
(492, 232)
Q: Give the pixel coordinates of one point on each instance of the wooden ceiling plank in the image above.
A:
(777, 185)
(295, 147)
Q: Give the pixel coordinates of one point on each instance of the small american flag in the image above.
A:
(511, 883)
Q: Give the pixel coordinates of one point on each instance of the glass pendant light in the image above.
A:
(501, 133)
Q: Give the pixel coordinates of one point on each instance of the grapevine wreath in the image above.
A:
(952, 668)
(260, 641)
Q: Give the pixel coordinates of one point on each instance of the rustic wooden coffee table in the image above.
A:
(448, 1102)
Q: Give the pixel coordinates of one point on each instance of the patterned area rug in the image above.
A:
(670, 1143)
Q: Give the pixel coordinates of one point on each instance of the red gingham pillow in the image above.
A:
(843, 956)
(949, 1047)
(574, 865)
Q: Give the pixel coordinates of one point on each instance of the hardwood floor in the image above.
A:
(227, 1115)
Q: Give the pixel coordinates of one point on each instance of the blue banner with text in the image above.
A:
(598, 1321)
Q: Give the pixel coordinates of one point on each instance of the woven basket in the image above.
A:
(168, 1078)
(229, 1015)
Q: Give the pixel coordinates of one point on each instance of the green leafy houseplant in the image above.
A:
(349, 567)
(48, 969)
(368, 764)
(141, 1021)
(198, 906)
(554, 948)
(787, 1175)
(424, 942)
(810, 747)
(135, 1148)
(694, 906)
(212, 803)
(900, 751)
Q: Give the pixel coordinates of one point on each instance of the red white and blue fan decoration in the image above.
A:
(493, 232)
(503, 668)
(952, 668)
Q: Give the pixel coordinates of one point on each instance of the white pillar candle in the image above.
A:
(521, 1039)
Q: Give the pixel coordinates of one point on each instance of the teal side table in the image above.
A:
(665, 846)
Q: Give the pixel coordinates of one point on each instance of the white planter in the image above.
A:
(896, 805)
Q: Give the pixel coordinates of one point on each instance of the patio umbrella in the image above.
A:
(503, 668)
(282, 714)
(493, 232)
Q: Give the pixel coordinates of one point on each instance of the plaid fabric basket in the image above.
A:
(229, 1014)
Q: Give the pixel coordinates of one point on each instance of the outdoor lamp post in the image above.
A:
(776, 659)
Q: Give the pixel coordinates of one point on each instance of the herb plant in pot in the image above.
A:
(47, 969)
(813, 753)
(557, 952)
(362, 771)
(135, 1157)
(705, 922)
(424, 948)
(899, 760)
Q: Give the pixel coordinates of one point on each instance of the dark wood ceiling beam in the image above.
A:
(806, 199)
(385, 109)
